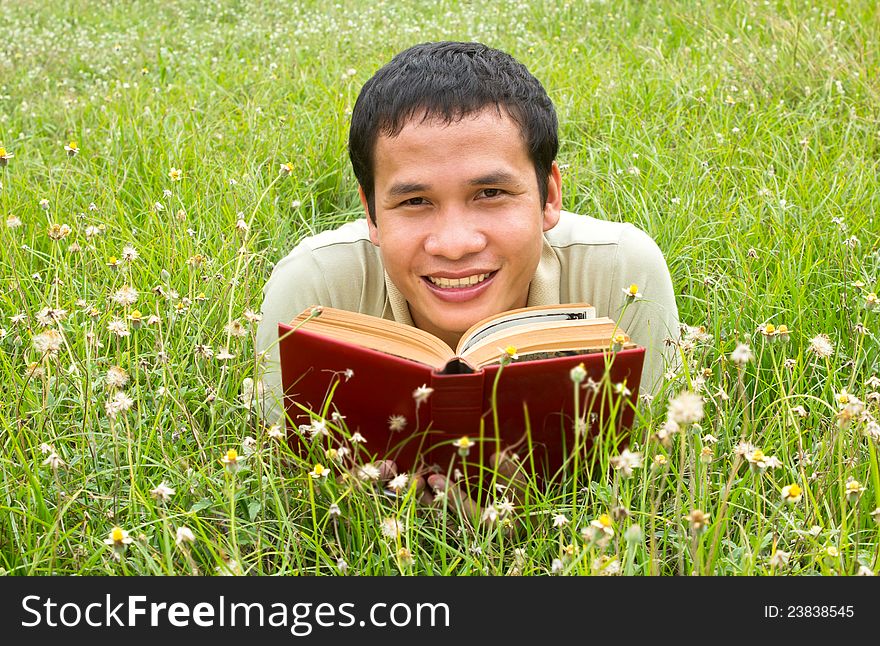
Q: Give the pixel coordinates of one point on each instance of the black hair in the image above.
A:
(448, 81)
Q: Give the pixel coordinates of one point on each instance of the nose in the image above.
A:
(455, 235)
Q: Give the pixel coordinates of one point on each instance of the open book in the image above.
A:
(368, 369)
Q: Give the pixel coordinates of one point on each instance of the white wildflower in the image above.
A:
(117, 377)
(162, 492)
(490, 515)
(235, 328)
(741, 355)
(399, 482)
(369, 472)
(118, 404)
(779, 559)
(118, 327)
(184, 535)
(686, 408)
(125, 295)
(129, 253)
(318, 428)
(276, 433)
(560, 520)
(48, 342)
(53, 461)
(392, 528)
(626, 462)
(821, 346)
(396, 423)
(421, 394)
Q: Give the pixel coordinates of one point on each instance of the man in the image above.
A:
(454, 146)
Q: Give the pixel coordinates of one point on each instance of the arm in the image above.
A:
(653, 318)
(297, 282)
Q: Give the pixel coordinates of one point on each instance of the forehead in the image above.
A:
(486, 136)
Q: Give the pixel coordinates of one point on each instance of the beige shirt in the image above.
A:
(583, 260)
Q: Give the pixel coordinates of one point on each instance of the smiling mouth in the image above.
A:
(458, 283)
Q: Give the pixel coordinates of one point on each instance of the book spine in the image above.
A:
(457, 402)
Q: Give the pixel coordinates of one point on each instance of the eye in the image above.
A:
(491, 192)
(414, 201)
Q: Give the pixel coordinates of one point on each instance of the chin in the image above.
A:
(461, 324)
(458, 318)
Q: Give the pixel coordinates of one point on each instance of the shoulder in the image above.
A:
(332, 250)
(353, 233)
(588, 235)
(338, 267)
(573, 229)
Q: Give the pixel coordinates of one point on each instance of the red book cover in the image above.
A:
(534, 403)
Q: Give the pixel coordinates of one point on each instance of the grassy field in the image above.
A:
(143, 209)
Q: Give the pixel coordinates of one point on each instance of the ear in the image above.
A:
(553, 207)
(374, 231)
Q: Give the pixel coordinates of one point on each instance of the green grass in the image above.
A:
(743, 136)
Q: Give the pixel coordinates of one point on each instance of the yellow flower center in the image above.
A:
(72, 145)
(319, 469)
(510, 350)
(135, 314)
(464, 442)
(757, 455)
(620, 339)
(853, 485)
(605, 520)
(783, 329)
(769, 329)
(232, 455)
(794, 491)
(113, 260)
(633, 289)
(2, 152)
(116, 534)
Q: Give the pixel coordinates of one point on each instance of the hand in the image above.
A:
(437, 489)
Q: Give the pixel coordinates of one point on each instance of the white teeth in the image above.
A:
(467, 281)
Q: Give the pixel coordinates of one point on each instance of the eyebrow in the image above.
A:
(405, 188)
(495, 177)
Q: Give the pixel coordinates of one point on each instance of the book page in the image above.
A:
(571, 312)
(378, 334)
(559, 336)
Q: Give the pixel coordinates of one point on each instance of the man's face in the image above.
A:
(459, 219)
